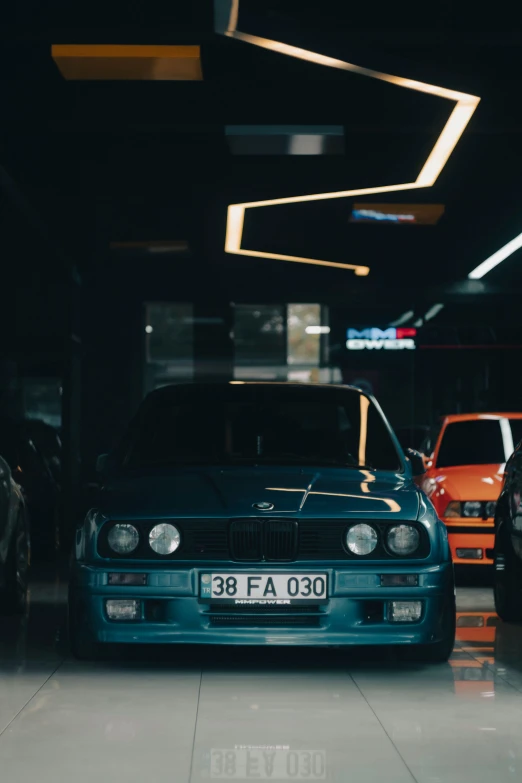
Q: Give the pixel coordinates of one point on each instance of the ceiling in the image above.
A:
(104, 162)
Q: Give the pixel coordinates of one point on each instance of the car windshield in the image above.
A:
(261, 423)
(479, 442)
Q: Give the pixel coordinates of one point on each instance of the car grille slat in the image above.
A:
(280, 539)
(273, 540)
(245, 540)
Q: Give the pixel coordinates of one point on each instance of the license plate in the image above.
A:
(264, 589)
(267, 763)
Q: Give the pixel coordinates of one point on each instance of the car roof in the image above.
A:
(296, 384)
(452, 417)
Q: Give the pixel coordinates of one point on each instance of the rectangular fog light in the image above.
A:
(470, 554)
(135, 580)
(399, 580)
(470, 621)
(123, 609)
(404, 611)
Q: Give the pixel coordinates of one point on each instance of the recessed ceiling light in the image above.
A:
(122, 61)
(397, 214)
(285, 139)
(359, 215)
(152, 246)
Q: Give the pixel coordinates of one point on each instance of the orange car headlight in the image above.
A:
(491, 508)
(472, 508)
(453, 509)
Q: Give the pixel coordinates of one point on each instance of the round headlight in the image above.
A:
(123, 539)
(164, 539)
(490, 508)
(403, 539)
(472, 508)
(361, 539)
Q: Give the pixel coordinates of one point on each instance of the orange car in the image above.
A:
(463, 479)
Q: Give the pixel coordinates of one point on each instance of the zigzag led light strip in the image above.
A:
(461, 114)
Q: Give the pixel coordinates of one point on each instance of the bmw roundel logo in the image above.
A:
(263, 506)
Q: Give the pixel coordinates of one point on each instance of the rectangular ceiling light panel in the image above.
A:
(154, 246)
(133, 63)
(285, 139)
(397, 214)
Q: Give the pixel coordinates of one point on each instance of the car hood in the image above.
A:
(471, 482)
(232, 492)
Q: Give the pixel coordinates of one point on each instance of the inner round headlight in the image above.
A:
(403, 539)
(490, 508)
(472, 508)
(123, 539)
(361, 539)
(164, 539)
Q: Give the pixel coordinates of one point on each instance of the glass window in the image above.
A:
(42, 399)
(272, 424)
(170, 331)
(260, 335)
(475, 442)
(516, 430)
(169, 336)
(303, 347)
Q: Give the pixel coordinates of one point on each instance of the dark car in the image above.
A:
(32, 450)
(508, 542)
(14, 544)
(262, 513)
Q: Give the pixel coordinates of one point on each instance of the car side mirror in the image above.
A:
(102, 463)
(418, 467)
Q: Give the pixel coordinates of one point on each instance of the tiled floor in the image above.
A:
(266, 714)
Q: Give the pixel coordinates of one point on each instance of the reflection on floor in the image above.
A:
(267, 714)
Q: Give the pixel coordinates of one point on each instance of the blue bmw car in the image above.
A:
(261, 513)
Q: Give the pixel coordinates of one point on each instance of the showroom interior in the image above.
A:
(242, 191)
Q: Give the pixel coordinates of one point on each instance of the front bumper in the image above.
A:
(462, 535)
(355, 614)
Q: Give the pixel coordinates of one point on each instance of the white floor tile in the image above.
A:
(306, 725)
(105, 723)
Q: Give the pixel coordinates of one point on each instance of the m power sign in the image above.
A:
(373, 339)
